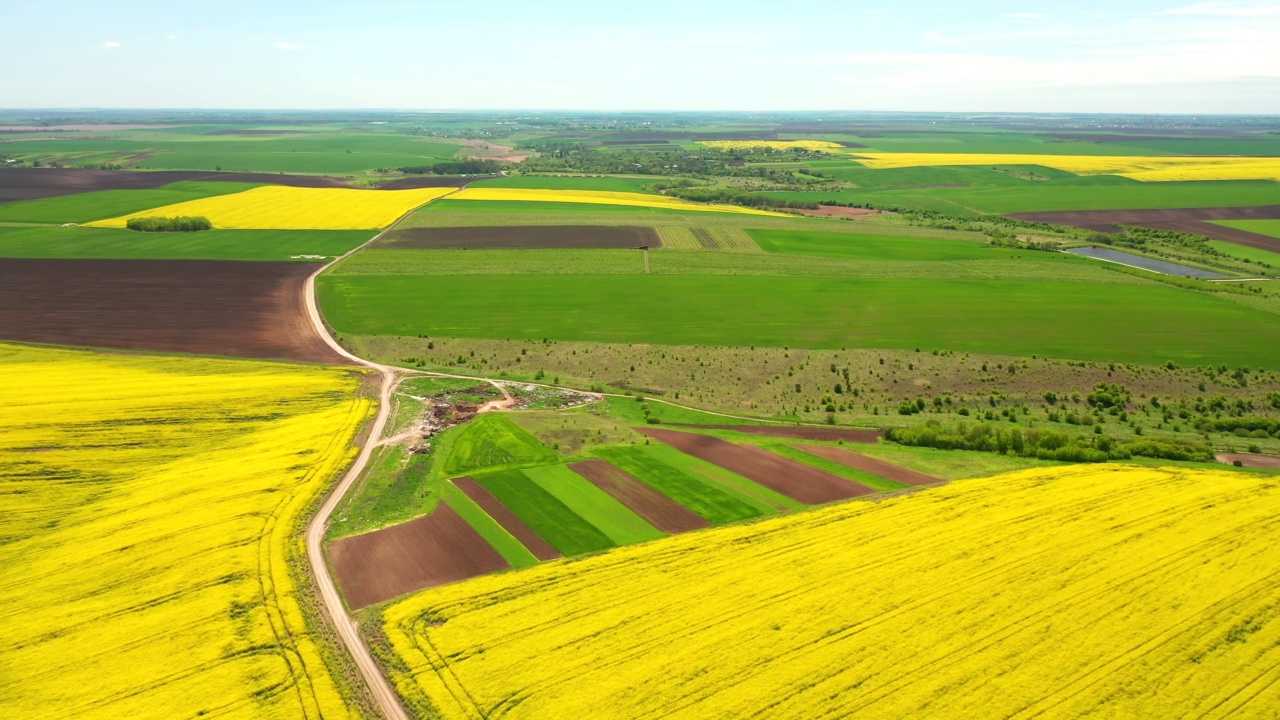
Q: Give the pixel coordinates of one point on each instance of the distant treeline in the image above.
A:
(1045, 444)
(733, 197)
(461, 167)
(169, 224)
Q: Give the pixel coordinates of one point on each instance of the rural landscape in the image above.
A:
(465, 414)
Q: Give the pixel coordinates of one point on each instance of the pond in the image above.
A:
(1146, 263)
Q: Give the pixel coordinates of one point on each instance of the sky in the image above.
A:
(1117, 56)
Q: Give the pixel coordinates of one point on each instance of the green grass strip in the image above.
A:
(707, 500)
(507, 546)
(593, 504)
(758, 495)
(875, 482)
(540, 510)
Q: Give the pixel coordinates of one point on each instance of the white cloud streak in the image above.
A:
(1229, 9)
(288, 46)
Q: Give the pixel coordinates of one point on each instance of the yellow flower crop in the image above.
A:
(1098, 591)
(772, 144)
(599, 197)
(290, 208)
(1150, 169)
(150, 510)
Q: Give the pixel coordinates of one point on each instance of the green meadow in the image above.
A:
(103, 204)
(1144, 324)
(112, 243)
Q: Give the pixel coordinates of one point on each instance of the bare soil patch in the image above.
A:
(800, 433)
(34, 183)
(540, 548)
(244, 309)
(433, 550)
(554, 237)
(1197, 221)
(796, 480)
(836, 211)
(1250, 460)
(886, 470)
(657, 509)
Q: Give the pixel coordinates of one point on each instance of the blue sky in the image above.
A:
(1134, 56)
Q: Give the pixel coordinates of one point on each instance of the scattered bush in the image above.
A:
(173, 224)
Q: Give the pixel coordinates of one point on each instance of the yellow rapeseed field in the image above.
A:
(772, 144)
(289, 208)
(1149, 169)
(149, 518)
(600, 197)
(1087, 591)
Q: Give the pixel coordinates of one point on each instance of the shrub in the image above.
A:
(173, 224)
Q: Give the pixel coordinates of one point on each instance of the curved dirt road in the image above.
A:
(379, 688)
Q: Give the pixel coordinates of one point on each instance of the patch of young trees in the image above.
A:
(169, 224)
(461, 167)
(1045, 444)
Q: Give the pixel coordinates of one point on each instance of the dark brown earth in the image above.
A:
(432, 550)
(657, 509)
(802, 433)
(540, 548)
(1190, 220)
(428, 181)
(796, 480)
(1250, 460)
(886, 470)
(34, 183)
(581, 236)
(837, 211)
(244, 309)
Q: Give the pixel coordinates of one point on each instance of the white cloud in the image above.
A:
(111, 44)
(1233, 9)
(1025, 16)
(170, 37)
(288, 46)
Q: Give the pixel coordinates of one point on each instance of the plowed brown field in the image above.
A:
(796, 480)
(432, 550)
(553, 237)
(871, 465)
(1190, 220)
(659, 510)
(540, 548)
(800, 433)
(245, 309)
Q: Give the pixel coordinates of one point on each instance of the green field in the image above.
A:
(1078, 194)
(1248, 253)
(1145, 324)
(548, 516)
(713, 504)
(582, 182)
(593, 504)
(507, 546)
(992, 264)
(1270, 228)
(873, 247)
(492, 440)
(90, 206)
(305, 152)
(110, 243)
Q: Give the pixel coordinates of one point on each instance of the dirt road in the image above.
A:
(379, 688)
